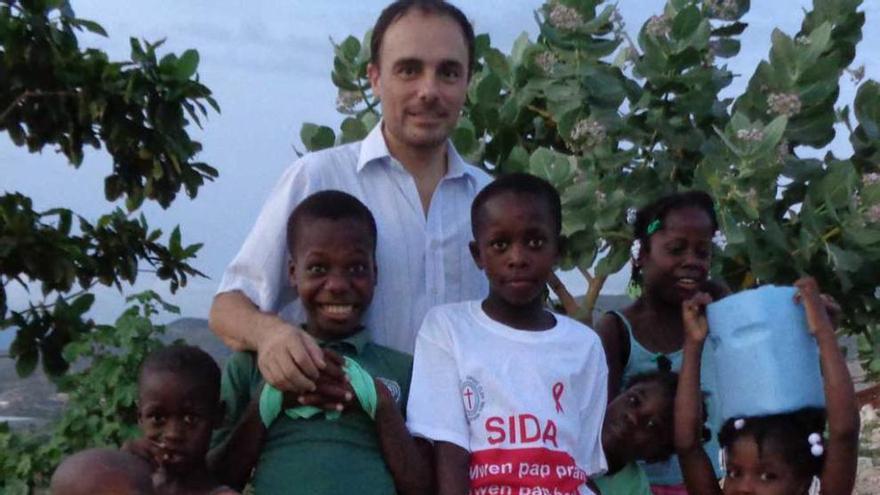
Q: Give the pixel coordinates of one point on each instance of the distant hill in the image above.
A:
(36, 397)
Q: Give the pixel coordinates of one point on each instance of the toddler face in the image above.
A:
(638, 423)
(763, 471)
(177, 416)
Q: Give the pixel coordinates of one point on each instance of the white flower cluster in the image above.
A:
(723, 9)
(565, 17)
(752, 195)
(782, 151)
(346, 101)
(587, 134)
(870, 179)
(658, 26)
(751, 135)
(720, 240)
(802, 40)
(546, 61)
(873, 214)
(788, 104)
(631, 216)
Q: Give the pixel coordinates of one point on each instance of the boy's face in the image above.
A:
(517, 246)
(638, 423)
(177, 415)
(334, 272)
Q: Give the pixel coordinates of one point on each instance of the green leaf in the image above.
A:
(844, 260)
(26, 363)
(316, 137)
(546, 164)
(614, 261)
(353, 130)
(686, 22)
(91, 26)
(187, 65)
(867, 109)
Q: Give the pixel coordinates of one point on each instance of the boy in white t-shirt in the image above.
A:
(513, 396)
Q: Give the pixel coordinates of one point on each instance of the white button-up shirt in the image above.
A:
(422, 261)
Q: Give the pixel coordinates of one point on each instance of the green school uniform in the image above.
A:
(630, 480)
(316, 456)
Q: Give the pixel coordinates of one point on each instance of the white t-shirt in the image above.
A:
(527, 405)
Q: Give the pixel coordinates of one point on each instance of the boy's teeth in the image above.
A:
(337, 308)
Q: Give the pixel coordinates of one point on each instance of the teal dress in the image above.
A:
(642, 360)
(630, 480)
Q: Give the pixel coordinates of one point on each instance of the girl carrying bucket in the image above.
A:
(773, 454)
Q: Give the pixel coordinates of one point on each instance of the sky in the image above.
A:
(268, 64)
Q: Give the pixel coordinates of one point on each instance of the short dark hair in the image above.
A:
(399, 8)
(187, 360)
(329, 205)
(659, 209)
(789, 434)
(518, 183)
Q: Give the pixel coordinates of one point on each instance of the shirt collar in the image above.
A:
(374, 148)
(353, 343)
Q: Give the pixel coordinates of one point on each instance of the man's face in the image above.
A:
(422, 80)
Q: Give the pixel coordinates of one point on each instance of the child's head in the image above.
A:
(638, 423)
(102, 471)
(776, 454)
(179, 405)
(675, 245)
(332, 241)
(516, 222)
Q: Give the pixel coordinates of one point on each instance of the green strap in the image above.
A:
(271, 399)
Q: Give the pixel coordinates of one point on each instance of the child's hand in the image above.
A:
(332, 390)
(693, 314)
(143, 448)
(817, 305)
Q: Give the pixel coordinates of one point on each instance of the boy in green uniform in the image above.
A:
(360, 445)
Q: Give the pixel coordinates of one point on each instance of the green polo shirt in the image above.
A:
(315, 456)
(630, 480)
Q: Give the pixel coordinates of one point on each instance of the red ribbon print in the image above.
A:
(558, 388)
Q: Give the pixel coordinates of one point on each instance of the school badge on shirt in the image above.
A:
(472, 397)
(392, 387)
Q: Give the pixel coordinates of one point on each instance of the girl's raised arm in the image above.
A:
(695, 465)
(841, 448)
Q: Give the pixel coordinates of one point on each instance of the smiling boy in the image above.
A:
(367, 448)
(512, 395)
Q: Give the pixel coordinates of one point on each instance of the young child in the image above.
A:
(362, 449)
(512, 395)
(178, 408)
(102, 471)
(638, 426)
(777, 454)
(674, 235)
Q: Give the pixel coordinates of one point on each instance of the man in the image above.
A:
(407, 173)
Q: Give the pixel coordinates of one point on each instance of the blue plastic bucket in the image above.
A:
(766, 360)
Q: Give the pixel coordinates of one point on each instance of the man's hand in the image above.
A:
(817, 305)
(332, 389)
(290, 359)
(693, 314)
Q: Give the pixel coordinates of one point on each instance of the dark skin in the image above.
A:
(767, 472)
(176, 414)
(674, 266)
(101, 471)
(517, 246)
(334, 272)
(638, 426)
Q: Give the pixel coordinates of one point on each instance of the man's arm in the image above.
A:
(287, 357)
(408, 459)
(452, 469)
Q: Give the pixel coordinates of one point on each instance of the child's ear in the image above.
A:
(475, 253)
